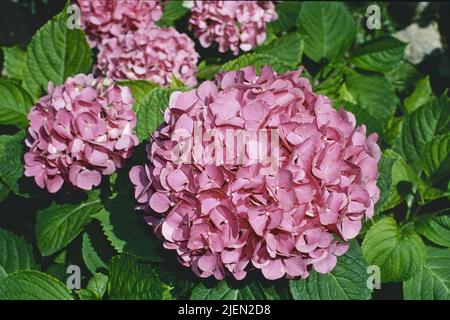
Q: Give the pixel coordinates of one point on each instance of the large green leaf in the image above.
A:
(257, 60)
(421, 126)
(384, 181)
(133, 279)
(32, 285)
(126, 229)
(432, 282)
(14, 104)
(149, 111)
(347, 281)
(435, 227)
(95, 289)
(422, 94)
(249, 289)
(329, 27)
(436, 157)
(382, 54)
(14, 62)
(59, 224)
(11, 166)
(90, 256)
(399, 252)
(288, 48)
(287, 12)
(55, 53)
(172, 11)
(15, 252)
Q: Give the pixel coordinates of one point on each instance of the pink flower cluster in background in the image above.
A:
(104, 19)
(155, 54)
(79, 131)
(233, 25)
(226, 217)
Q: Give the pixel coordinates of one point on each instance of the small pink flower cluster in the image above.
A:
(131, 46)
(155, 54)
(103, 19)
(232, 24)
(225, 217)
(79, 131)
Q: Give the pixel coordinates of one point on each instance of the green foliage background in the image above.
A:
(362, 70)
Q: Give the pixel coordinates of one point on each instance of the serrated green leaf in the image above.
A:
(14, 104)
(421, 126)
(384, 180)
(207, 72)
(149, 111)
(256, 60)
(172, 11)
(133, 279)
(11, 166)
(399, 252)
(3, 273)
(126, 229)
(347, 281)
(55, 53)
(32, 285)
(436, 157)
(139, 88)
(248, 289)
(287, 12)
(91, 259)
(374, 94)
(98, 285)
(432, 282)
(14, 62)
(329, 27)
(15, 253)
(403, 77)
(435, 227)
(59, 224)
(381, 55)
(422, 94)
(4, 191)
(288, 48)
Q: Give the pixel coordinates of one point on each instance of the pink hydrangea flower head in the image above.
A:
(78, 132)
(227, 216)
(103, 19)
(232, 25)
(155, 54)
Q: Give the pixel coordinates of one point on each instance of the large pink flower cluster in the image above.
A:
(227, 216)
(79, 131)
(102, 19)
(232, 24)
(155, 54)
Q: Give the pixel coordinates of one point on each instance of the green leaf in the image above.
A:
(133, 279)
(59, 224)
(91, 259)
(287, 12)
(436, 157)
(11, 166)
(172, 11)
(288, 48)
(4, 191)
(3, 273)
(347, 281)
(257, 60)
(32, 285)
(207, 72)
(435, 227)
(421, 126)
(98, 285)
(55, 53)
(374, 94)
(381, 55)
(14, 104)
(422, 94)
(149, 111)
(384, 181)
(126, 229)
(329, 27)
(249, 289)
(139, 88)
(433, 281)
(399, 252)
(403, 77)
(14, 62)
(16, 253)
